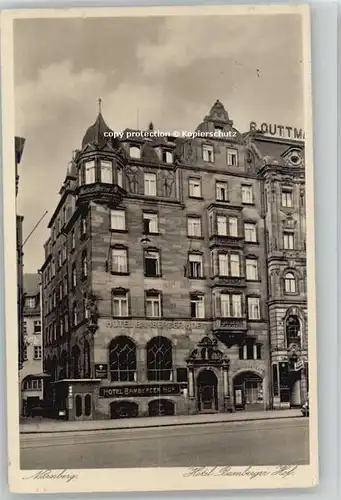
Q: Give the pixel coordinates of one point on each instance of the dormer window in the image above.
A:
(135, 152)
(167, 156)
(90, 172)
(106, 172)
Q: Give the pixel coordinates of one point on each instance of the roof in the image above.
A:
(31, 283)
(95, 134)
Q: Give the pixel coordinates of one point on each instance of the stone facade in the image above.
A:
(159, 284)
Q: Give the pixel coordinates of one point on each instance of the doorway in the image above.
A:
(83, 407)
(248, 392)
(207, 396)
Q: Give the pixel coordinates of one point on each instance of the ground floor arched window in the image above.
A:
(124, 409)
(161, 407)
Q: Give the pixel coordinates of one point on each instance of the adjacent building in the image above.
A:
(31, 373)
(174, 279)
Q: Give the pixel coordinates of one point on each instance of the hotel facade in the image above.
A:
(174, 279)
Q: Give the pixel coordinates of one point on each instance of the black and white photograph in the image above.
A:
(159, 248)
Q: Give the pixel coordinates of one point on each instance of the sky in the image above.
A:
(166, 70)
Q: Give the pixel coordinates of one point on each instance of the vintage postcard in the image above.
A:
(159, 248)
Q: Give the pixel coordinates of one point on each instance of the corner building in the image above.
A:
(156, 275)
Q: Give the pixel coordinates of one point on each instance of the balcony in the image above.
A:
(109, 193)
(226, 241)
(230, 331)
(229, 324)
(229, 281)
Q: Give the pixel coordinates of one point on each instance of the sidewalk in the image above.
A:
(53, 426)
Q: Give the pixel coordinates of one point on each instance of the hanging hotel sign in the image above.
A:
(274, 130)
(130, 391)
(169, 325)
(101, 370)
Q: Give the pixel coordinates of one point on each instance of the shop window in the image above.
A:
(122, 359)
(159, 359)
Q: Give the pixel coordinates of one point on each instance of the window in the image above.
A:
(64, 252)
(84, 265)
(120, 303)
(117, 220)
(150, 223)
(153, 304)
(290, 283)
(150, 184)
(287, 200)
(25, 327)
(236, 306)
(122, 360)
(221, 191)
(75, 315)
(222, 225)
(66, 323)
(247, 194)
(152, 263)
(119, 177)
(208, 153)
(53, 269)
(253, 308)
(224, 305)
(167, 156)
(250, 350)
(30, 302)
(61, 327)
(25, 353)
(84, 224)
(106, 171)
(223, 264)
(197, 306)
(119, 260)
(288, 240)
(37, 326)
(233, 227)
(159, 359)
(65, 286)
(86, 359)
(37, 352)
(32, 385)
(250, 232)
(74, 276)
(59, 259)
(252, 269)
(134, 152)
(195, 262)
(232, 157)
(194, 227)
(292, 329)
(235, 264)
(90, 172)
(194, 186)
(73, 240)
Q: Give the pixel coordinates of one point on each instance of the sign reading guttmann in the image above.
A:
(278, 130)
(139, 391)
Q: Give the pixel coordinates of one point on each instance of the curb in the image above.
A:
(255, 419)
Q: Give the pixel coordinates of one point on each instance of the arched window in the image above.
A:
(75, 355)
(159, 359)
(87, 405)
(134, 152)
(86, 354)
(122, 360)
(290, 283)
(79, 406)
(292, 329)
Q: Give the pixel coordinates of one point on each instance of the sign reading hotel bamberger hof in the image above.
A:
(167, 324)
(129, 391)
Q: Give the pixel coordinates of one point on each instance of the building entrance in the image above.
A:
(207, 394)
(248, 392)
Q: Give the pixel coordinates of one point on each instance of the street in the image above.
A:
(269, 442)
